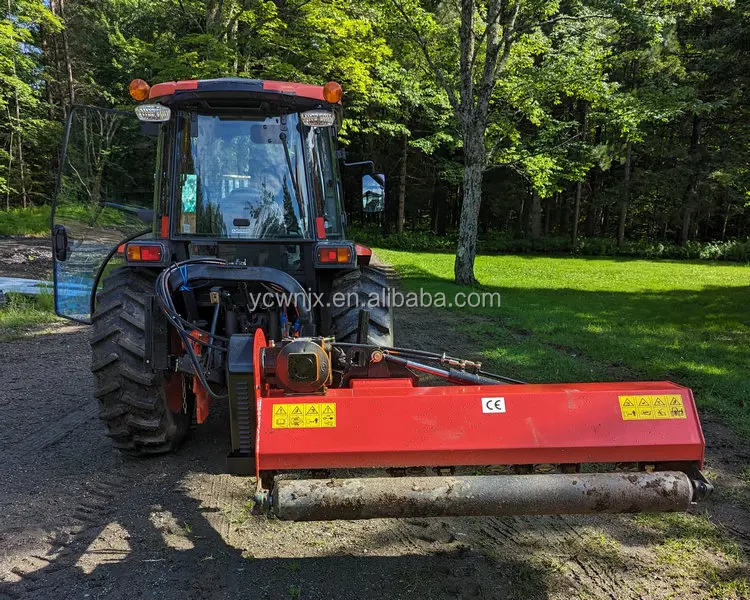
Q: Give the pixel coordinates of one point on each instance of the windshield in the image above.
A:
(237, 179)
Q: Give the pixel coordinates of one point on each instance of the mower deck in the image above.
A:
(650, 430)
(391, 423)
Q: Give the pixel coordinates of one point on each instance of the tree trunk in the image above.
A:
(691, 197)
(590, 221)
(59, 93)
(454, 206)
(66, 55)
(577, 211)
(10, 165)
(579, 185)
(19, 140)
(466, 250)
(471, 105)
(626, 197)
(726, 220)
(441, 210)
(17, 127)
(566, 203)
(591, 207)
(46, 53)
(22, 170)
(402, 188)
(235, 46)
(214, 18)
(685, 231)
(535, 218)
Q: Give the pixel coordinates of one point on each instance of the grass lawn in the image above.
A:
(577, 319)
(35, 221)
(32, 221)
(22, 313)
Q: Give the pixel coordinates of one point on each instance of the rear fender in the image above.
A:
(364, 254)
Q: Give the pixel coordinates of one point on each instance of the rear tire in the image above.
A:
(371, 287)
(133, 398)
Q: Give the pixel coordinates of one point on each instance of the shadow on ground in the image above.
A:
(143, 535)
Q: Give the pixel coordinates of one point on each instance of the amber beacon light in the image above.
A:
(139, 89)
(332, 92)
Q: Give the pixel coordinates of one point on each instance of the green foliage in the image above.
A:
(498, 243)
(31, 221)
(409, 240)
(22, 122)
(732, 250)
(582, 81)
(35, 221)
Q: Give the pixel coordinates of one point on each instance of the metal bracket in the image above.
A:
(341, 155)
(157, 343)
(702, 487)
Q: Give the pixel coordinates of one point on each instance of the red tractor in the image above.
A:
(243, 289)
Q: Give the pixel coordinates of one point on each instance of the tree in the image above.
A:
(494, 41)
(21, 125)
(482, 59)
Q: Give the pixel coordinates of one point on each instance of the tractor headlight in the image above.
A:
(154, 113)
(318, 117)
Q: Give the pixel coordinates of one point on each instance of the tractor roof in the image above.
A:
(226, 91)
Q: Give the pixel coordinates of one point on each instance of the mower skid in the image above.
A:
(483, 495)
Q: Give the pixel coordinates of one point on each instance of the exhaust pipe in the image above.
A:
(493, 495)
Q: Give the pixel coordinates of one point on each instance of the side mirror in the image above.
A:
(60, 242)
(373, 193)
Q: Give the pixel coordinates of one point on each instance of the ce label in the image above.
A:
(493, 405)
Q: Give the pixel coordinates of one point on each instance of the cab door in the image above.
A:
(105, 195)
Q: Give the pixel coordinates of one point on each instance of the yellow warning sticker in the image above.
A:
(296, 415)
(304, 416)
(328, 414)
(280, 416)
(645, 408)
(312, 415)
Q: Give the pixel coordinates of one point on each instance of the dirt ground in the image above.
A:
(79, 521)
(26, 257)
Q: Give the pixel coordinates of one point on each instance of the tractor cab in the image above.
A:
(252, 160)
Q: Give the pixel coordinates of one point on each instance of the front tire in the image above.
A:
(133, 399)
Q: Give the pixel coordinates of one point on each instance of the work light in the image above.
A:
(318, 117)
(153, 112)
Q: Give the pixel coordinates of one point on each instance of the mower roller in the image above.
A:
(244, 290)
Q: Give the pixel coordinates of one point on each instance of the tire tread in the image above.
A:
(132, 399)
